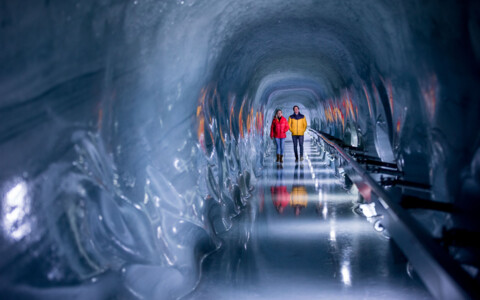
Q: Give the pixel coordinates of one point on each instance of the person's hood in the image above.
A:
(297, 117)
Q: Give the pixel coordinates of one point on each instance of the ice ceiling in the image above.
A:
(132, 131)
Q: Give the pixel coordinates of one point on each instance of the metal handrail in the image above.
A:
(441, 274)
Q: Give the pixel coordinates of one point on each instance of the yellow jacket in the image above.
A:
(297, 123)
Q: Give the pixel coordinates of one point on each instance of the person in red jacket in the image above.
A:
(278, 131)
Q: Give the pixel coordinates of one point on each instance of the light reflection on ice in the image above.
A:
(16, 208)
(345, 271)
(325, 211)
(333, 233)
(368, 209)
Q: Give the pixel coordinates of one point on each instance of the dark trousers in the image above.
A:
(297, 139)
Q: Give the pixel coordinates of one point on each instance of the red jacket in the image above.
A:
(279, 128)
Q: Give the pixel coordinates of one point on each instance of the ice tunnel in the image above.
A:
(136, 159)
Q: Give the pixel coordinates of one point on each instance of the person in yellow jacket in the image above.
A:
(298, 125)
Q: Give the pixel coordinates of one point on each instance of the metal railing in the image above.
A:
(441, 274)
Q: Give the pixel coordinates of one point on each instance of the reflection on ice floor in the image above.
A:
(299, 238)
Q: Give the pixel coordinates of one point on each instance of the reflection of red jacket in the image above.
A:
(279, 128)
(280, 196)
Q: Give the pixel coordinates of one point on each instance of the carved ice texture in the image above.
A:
(133, 131)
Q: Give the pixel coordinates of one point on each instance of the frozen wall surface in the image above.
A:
(131, 132)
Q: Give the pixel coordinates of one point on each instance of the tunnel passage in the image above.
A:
(132, 132)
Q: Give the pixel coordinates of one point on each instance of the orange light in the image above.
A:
(240, 118)
(429, 93)
(368, 101)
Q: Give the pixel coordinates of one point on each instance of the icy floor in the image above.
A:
(300, 239)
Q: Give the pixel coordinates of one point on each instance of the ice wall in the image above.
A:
(132, 131)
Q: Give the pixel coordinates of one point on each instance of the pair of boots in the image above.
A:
(279, 158)
(296, 158)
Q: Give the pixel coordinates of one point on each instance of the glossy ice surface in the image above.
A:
(299, 238)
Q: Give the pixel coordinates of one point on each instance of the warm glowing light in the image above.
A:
(368, 100)
(250, 121)
(201, 119)
(390, 95)
(429, 92)
(240, 118)
(259, 122)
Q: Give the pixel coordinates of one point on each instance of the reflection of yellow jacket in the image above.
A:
(298, 196)
(298, 124)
